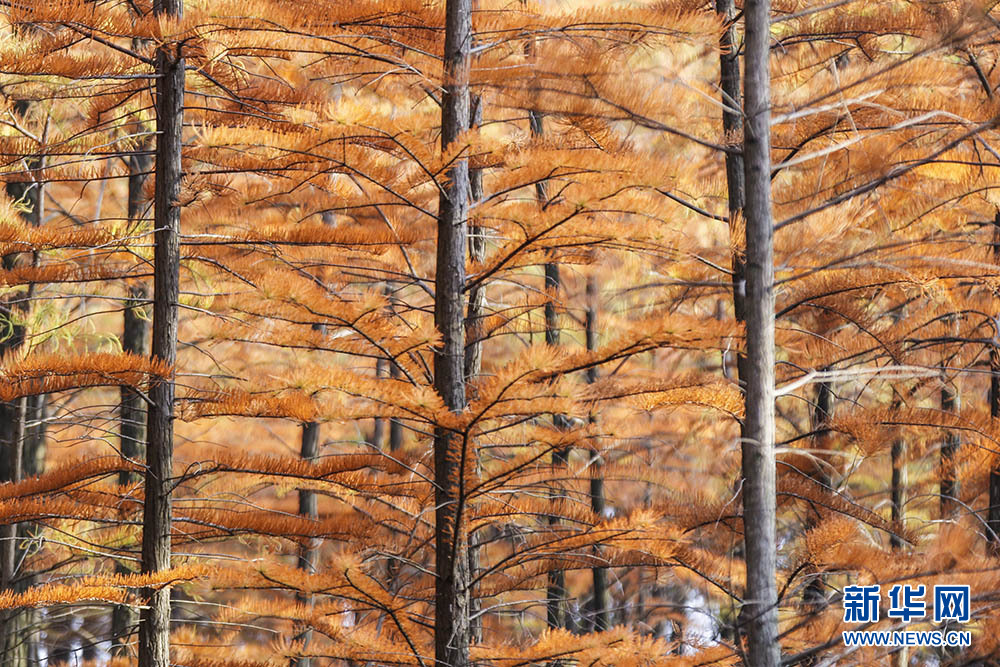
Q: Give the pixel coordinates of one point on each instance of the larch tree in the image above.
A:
(759, 491)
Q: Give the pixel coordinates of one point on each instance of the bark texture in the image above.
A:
(599, 606)
(452, 455)
(760, 606)
(949, 447)
(993, 514)
(154, 625)
(309, 550)
(20, 443)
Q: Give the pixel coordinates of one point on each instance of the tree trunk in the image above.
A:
(993, 513)
(474, 350)
(395, 426)
(477, 252)
(949, 447)
(154, 626)
(378, 425)
(814, 597)
(897, 455)
(309, 550)
(132, 413)
(452, 458)
(760, 607)
(600, 620)
(12, 640)
(14, 417)
(556, 593)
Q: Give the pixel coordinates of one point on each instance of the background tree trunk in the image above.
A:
(309, 549)
(474, 348)
(993, 513)
(132, 413)
(760, 606)
(154, 626)
(556, 593)
(599, 602)
(949, 447)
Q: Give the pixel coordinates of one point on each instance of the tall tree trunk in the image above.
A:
(759, 511)
(132, 413)
(12, 640)
(14, 416)
(474, 349)
(732, 124)
(154, 626)
(452, 458)
(897, 455)
(395, 426)
(993, 513)
(813, 597)
(309, 550)
(600, 620)
(897, 497)
(378, 425)
(477, 252)
(556, 593)
(949, 447)
(897, 462)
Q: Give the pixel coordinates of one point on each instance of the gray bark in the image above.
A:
(308, 557)
(16, 438)
(13, 648)
(452, 629)
(378, 425)
(154, 626)
(477, 252)
(758, 466)
(599, 606)
(395, 426)
(556, 593)
(474, 348)
(813, 597)
(949, 447)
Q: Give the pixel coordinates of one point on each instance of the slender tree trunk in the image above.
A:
(452, 458)
(556, 593)
(309, 550)
(132, 413)
(993, 513)
(599, 612)
(898, 481)
(154, 626)
(949, 447)
(732, 124)
(378, 425)
(897, 455)
(474, 349)
(15, 434)
(13, 647)
(477, 252)
(813, 597)
(759, 510)
(395, 426)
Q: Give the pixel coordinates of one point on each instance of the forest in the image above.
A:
(499, 333)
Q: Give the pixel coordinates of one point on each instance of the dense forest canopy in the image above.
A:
(465, 332)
